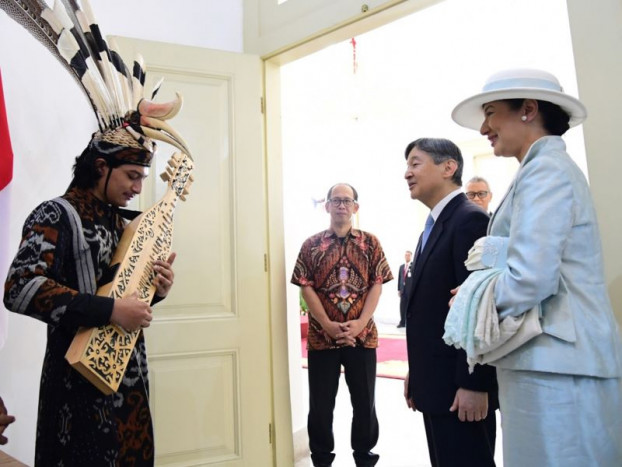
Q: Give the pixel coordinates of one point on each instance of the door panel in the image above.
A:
(215, 436)
(208, 345)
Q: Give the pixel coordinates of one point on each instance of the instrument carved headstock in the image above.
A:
(177, 174)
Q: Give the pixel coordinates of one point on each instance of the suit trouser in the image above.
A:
(403, 303)
(360, 373)
(452, 443)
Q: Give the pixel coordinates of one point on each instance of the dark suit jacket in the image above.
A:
(401, 281)
(437, 370)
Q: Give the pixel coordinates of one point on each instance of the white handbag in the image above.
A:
(496, 339)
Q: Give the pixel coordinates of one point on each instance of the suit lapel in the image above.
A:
(435, 235)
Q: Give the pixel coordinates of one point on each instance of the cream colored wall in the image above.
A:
(597, 42)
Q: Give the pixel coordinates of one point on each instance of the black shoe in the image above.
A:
(401, 325)
(368, 459)
(323, 461)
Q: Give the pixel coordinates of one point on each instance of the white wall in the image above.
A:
(50, 122)
(597, 42)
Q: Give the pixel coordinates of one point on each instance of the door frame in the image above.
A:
(281, 330)
(602, 121)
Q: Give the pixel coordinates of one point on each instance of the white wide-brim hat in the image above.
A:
(520, 83)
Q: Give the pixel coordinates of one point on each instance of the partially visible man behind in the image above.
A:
(341, 271)
(402, 280)
(458, 407)
(478, 191)
(5, 421)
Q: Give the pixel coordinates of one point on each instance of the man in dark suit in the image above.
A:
(402, 279)
(458, 408)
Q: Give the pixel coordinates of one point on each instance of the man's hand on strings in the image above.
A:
(164, 275)
(130, 313)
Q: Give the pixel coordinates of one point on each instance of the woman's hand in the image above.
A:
(454, 292)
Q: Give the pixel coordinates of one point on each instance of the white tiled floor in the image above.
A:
(402, 440)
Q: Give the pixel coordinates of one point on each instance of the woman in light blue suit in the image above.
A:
(561, 392)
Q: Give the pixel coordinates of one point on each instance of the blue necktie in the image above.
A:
(429, 223)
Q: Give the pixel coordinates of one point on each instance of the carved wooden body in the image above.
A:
(101, 354)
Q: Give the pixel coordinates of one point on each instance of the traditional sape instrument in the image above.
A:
(101, 354)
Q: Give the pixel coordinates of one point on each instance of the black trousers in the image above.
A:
(360, 373)
(403, 302)
(452, 443)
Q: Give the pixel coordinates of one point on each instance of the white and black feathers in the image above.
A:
(70, 32)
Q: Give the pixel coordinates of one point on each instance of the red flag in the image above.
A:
(6, 153)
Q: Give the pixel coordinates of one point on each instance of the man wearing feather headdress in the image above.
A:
(68, 243)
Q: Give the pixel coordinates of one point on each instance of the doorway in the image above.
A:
(349, 110)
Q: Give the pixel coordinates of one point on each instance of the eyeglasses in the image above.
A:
(347, 202)
(479, 194)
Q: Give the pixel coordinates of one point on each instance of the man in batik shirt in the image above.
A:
(341, 271)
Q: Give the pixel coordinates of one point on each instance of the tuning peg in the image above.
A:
(175, 159)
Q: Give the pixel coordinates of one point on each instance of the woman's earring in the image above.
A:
(524, 118)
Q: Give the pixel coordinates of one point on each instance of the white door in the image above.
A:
(209, 342)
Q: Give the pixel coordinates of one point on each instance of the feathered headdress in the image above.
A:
(128, 123)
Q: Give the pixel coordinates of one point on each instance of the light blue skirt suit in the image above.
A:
(561, 392)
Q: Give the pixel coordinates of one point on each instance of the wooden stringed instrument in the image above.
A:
(101, 354)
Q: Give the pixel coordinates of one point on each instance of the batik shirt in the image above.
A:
(66, 247)
(341, 271)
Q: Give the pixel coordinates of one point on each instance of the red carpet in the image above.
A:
(391, 354)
